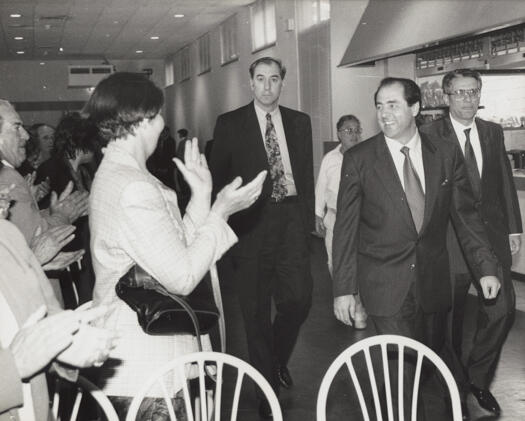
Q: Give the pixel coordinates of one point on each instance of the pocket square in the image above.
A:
(445, 182)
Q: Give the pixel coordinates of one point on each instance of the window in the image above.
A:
(229, 50)
(262, 16)
(203, 46)
(312, 12)
(182, 58)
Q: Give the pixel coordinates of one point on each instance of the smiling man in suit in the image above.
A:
(398, 191)
(496, 200)
(271, 259)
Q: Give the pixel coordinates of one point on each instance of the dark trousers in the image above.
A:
(493, 322)
(428, 328)
(280, 271)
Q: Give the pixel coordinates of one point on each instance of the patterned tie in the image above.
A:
(274, 161)
(413, 190)
(472, 165)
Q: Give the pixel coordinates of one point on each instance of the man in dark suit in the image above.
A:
(497, 203)
(397, 193)
(272, 256)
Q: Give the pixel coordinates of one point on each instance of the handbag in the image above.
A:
(160, 312)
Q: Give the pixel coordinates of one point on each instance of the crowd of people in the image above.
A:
(411, 218)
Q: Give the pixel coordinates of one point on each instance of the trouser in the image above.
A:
(493, 321)
(428, 328)
(280, 271)
(329, 222)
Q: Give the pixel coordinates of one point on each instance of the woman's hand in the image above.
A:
(195, 169)
(234, 198)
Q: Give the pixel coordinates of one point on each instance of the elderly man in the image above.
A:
(45, 231)
(398, 191)
(496, 201)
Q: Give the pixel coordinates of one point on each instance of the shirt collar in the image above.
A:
(261, 114)
(459, 127)
(414, 144)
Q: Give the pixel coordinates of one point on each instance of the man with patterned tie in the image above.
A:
(496, 200)
(271, 259)
(398, 191)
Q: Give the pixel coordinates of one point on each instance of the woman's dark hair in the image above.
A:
(75, 133)
(121, 101)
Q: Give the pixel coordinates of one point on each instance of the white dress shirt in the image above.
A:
(474, 140)
(327, 186)
(281, 140)
(416, 156)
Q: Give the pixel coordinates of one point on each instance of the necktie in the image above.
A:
(472, 165)
(274, 161)
(413, 190)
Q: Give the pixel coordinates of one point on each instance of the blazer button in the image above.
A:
(412, 266)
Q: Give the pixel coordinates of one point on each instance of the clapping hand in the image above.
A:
(46, 245)
(38, 191)
(234, 198)
(64, 259)
(5, 201)
(195, 169)
(70, 205)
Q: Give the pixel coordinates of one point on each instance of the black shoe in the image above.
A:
(264, 410)
(485, 399)
(285, 379)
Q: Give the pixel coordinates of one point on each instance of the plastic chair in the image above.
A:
(84, 386)
(387, 342)
(206, 410)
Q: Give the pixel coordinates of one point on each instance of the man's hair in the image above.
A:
(182, 132)
(268, 61)
(121, 102)
(348, 117)
(450, 76)
(4, 105)
(411, 91)
(75, 133)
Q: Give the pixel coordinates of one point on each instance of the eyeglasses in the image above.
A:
(351, 131)
(466, 93)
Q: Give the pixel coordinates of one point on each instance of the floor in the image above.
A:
(323, 338)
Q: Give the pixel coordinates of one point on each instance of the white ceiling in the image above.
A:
(106, 29)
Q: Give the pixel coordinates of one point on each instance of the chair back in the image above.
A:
(83, 387)
(209, 403)
(387, 343)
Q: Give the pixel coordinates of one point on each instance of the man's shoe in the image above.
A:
(264, 410)
(485, 399)
(285, 379)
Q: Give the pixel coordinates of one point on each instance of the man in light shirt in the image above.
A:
(271, 259)
(349, 133)
(397, 193)
(496, 201)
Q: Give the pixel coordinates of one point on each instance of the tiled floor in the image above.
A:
(323, 338)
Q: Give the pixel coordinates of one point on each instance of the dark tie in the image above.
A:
(275, 161)
(413, 190)
(472, 165)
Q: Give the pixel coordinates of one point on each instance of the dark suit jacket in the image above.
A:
(376, 244)
(238, 150)
(498, 204)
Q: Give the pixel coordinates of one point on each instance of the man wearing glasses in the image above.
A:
(349, 133)
(492, 183)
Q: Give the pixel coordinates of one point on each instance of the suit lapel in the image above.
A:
(431, 166)
(485, 146)
(292, 138)
(255, 151)
(387, 173)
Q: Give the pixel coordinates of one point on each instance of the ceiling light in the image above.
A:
(154, 37)
(20, 52)
(18, 38)
(15, 15)
(115, 22)
(139, 51)
(178, 15)
(61, 49)
(42, 63)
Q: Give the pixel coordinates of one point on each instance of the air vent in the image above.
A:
(56, 18)
(87, 76)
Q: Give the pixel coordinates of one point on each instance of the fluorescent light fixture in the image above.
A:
(15, 15)
(178, 15)
(18, 38)
(154, 37)
(20, 52)
(139, 51)
(42, 63)
(61, 49)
